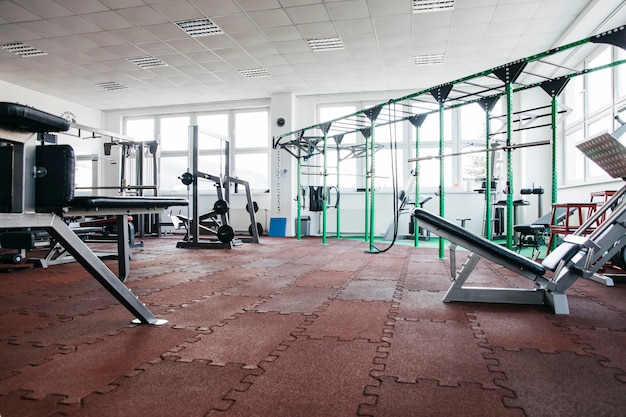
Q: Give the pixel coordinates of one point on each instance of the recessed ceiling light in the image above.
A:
(428, 59)
(199, 27)
(424, 6)
(325, 44)
(147, 61)
(23, 50)
(111, 85)
(254, 72)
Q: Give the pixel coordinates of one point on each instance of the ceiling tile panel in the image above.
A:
(108, 20)
(83, 6)
(234, 22)
(248, 37)
(270, 18)
(354, 27)
(308, 14)
(282, 33)
(317, 30)
(143, 16)
(76, 24)
(213, 8)
(13, 13)
(178, 10)
(122, 4)
(256, 5)
(166, 31)
(104, 38)
(217, 42)
(347, 10)
(186, 45)
(45, 9)
(394, 24)
(389, 7)
(15, 33)
(134, 35)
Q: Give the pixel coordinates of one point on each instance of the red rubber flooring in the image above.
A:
(297, 328)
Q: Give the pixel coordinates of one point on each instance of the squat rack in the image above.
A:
(485, 88)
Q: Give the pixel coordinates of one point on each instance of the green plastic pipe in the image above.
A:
(442, 184)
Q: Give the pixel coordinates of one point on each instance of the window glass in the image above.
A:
(254, 168)
(215, 123)
(472, 163)
(252, 129)
(574, 159)
(140, 129)
(472, 122)
(174, 133)
(429, 168)
(84, 173)
(574, 94)
(621, 73)
(602, 125)
(383, 166)
(599, 83)
(171, 168)
(429, 131)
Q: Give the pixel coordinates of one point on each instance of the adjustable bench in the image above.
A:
(38, 191)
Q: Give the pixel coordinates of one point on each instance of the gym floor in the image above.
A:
(297, 328)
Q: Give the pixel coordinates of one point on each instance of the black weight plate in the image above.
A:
(225, 233)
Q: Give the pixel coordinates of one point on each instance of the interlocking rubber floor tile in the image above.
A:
(587, 313)
(168, 388)
(23, 322)
(348, 320)
(562, 384)
(369, 290)
(183, 294)
(209, 311)
(248, 339)
(427, 305)
(606, 343)
(16, 356)
(81, 304)
(380, 273)
(447, 352)
(349, 264)
(92, 367)
(436, 267)
(311, 378)
(427, 399)
(333, 279)
(416, 281)
(305, 300)
(80, 329)
(14, 404)
(518, 327)
(260, 286)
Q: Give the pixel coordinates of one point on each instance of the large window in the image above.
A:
(245, 131)
(594, 100)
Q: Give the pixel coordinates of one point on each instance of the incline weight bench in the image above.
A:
(581, 255)
(37, 190)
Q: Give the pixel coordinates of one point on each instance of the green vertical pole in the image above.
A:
(324, 190)
(367, 186)
(442, 184)
(299, 199)
(372, 183)
(417, 186)
(488, 176)
(338, 199)
(509, 168)
(555, 179)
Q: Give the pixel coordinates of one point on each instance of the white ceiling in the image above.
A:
(89, 42)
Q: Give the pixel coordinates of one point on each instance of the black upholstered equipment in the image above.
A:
(14, 116)
(479, 244)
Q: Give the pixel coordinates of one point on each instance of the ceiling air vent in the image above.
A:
(199, 27)
(23, 50)
(429, 59)
(425, 6)
(111, 86)
(254, 72)
(147, 62)
(325, 44)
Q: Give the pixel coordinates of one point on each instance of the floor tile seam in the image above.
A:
(617, 309)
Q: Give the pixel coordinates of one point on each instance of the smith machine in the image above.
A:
(215, 224)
